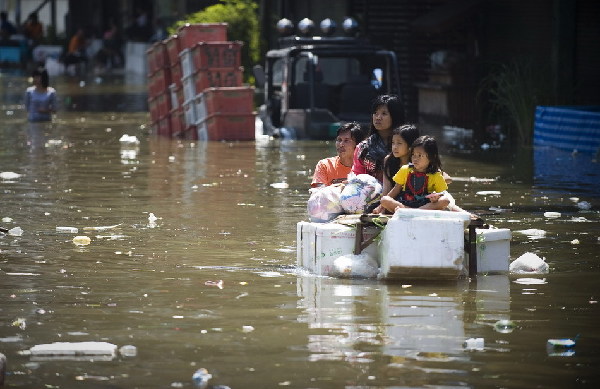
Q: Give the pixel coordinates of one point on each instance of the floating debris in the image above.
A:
(69, 230)
(474, 344)
(74, 349)
(504, 326)
(129, 139)
(82, 240)
(280, 185)
(9, 175)
(552, 215)
(101, 228)
(489, 193)
(533, 233)
(530, 281)
(201, 377)
(529, 263)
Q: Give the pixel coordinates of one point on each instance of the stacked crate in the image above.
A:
(159, 79)
(206, 92)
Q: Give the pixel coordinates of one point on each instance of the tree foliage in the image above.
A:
(242, 20)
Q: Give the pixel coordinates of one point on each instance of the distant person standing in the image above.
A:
(76, 50)
(40, 99)
(33, 30)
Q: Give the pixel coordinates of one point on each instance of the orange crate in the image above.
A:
(176, 75)
(177, 123)
(164, 126)
(164, 103)
(153, 108)
(190, 34)
(173, 48)
(238, 99)
(217, 77)
(230, 126)
(217, 55)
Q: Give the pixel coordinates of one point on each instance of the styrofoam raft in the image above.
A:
(319, 244)
(423, 244)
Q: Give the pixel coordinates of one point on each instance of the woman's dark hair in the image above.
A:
(394, 107)
(430, 146)
(408, 132)
(45, 79)
(356, 131)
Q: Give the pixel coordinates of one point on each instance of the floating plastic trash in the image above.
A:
(101, 228)
(16, 231)
(129, 139)
(529, 263)
(74, 348)
(68, 230)
(201, 377)
(82, 240)
(561, 343)
(584, 205)
(488, 193)
(9, 175)
(533, 233)
(552, 215)
(152, 218)
(504, 326)
(474, 344)
(128, 351)
(280, 185)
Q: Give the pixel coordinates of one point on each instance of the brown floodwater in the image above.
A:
(212, 282)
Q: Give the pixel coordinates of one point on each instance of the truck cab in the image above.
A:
(313, 84)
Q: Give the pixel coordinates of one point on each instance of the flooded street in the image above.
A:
(212, 282)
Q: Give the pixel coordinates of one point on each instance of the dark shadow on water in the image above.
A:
(110, 102)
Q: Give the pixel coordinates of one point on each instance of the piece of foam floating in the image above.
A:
(74, 349)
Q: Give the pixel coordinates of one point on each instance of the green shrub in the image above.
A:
(242, 20)
(514, 90)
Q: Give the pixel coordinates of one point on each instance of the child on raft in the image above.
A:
(419, 184)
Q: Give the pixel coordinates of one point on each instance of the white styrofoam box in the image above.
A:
(189, 113)
(187, 62)
(409, 213)
(189, 88)
(200, 105)
(493, 250)
(173, 92)
(423, 247)
(319, 244)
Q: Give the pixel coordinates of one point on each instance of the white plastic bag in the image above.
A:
(355, 266)
(360, 192)
(529, 263)
(324, 203)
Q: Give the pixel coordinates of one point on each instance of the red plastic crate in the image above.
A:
(238, 99)
(164, 103)
(217, 55)
(159, 81)
(173, 48)
(217, 77)
(177, 122)
(153, 108)
(230, 126)
(161, 57)
(150, 60)
(164, 126)
(190, 34)
(176, 74)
